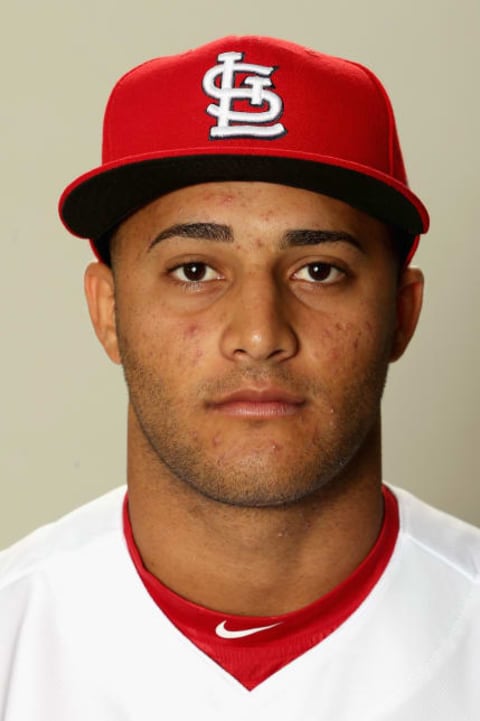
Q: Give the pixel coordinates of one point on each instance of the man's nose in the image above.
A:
(258, 327)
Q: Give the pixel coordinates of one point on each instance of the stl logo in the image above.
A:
(254, 121)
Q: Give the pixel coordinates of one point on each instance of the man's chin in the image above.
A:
(248, 483)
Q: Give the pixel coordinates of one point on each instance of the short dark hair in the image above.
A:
(103, 245)
(401, 244)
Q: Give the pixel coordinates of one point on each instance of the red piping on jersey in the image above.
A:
(253, 658)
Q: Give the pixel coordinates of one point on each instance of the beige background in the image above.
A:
(63, 405)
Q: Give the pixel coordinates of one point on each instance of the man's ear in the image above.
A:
(99, 290)
(409, 305)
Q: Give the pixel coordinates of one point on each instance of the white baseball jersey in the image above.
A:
(81, 638)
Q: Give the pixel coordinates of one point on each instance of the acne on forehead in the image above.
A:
(268, 203)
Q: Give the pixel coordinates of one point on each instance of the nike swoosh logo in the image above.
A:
(225, 633)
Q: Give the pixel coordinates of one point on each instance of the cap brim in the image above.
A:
(100, 200)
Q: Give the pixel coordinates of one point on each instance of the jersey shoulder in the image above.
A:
(82, 527)
(448, 539)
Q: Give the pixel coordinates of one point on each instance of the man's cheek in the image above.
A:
(193, 343)
(338, 343)
(174, 347)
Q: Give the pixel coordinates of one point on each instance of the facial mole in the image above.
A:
(191, 331)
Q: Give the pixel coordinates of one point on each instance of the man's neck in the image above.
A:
(255, 561)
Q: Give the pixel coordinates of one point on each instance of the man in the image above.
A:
(254, 228)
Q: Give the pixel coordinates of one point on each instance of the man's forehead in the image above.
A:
(243, 202)
(229, 212)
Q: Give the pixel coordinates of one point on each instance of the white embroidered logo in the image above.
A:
(233, 123)
(226, 633)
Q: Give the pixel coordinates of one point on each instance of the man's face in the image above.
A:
(255, 324)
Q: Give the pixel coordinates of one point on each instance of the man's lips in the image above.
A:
(255, 403)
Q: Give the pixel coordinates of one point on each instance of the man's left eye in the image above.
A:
(319, 273)
(194, 272)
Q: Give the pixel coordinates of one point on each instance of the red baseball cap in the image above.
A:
(246, 108)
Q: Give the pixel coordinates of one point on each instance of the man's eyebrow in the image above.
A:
(224, 234)
(315, 237)
(202, 231)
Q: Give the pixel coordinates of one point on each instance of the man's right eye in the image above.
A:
(195, 272)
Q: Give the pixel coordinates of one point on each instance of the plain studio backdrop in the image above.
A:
(62, 429)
